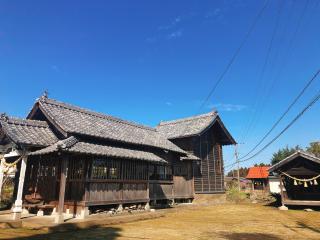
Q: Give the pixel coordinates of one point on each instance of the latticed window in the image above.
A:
(99, 169)
(180, 170)
(75, 169)
(160, 172)
(135, 170)
(106, 169)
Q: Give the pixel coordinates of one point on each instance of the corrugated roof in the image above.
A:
(258, 172)
(74, 120)
(73, 145)
(28, 132)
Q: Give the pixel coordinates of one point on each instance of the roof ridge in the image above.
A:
(67, 143)
(24, 122)
(188, 119)
(93, 113)
(303, 152)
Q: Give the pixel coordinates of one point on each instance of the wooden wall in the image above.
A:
(101, 181)
(208, 173)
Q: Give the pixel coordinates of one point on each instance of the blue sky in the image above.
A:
(148, 61)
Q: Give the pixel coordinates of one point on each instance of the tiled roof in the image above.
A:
(72, 145)
(78, 121)
(186, 126)
(192, 126)
(27, 132)
(299, 153)
(258, 172)
(190, 157)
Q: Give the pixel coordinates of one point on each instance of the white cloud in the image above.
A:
(169, 103)
(174, 35)
(227, 107)
(176, 21)
(213, 13)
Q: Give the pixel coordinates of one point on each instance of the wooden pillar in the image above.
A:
(1, 178)
(63, 178)
(281, 191)
(18, 203)
(283, 207)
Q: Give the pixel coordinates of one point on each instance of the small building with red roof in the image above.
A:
(259, 177)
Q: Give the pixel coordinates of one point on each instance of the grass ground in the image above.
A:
(228, 221)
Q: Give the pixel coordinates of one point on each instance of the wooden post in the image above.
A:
(63, 178)
(281, 191)
(1, 178)
(283, 207)
(17, 210)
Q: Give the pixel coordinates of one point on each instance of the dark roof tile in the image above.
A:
(187, 126)
(79, 121)
(28, 132)
(72, 145)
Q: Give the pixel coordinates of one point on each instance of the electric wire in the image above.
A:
(305, 109)
(236, 53)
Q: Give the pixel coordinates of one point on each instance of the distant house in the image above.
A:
(274, 184)
(259, 177)
(299, 176)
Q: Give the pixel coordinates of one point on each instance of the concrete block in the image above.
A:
(283, 208)
(40, 213)
(147, 207)
(308, 210)
(54, 212)
(83, 213)
(120, 208)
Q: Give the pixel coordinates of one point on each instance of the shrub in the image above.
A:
(234, 195)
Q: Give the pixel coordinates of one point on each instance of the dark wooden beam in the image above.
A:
(63, 179)
(281, 190)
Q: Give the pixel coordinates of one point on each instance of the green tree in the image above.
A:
(261, 165)
(283, 153)
(314, 148)
(243, 171)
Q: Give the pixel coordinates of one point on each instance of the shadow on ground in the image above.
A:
(249, 236)
(305, 226)
(56, 233)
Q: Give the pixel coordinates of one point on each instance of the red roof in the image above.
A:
(258, 172)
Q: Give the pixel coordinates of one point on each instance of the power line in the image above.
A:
(290, 47)
(235, 54)
(311, 103)
(284, 114)
(258, 97)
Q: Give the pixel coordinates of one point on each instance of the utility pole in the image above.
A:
(238, 164)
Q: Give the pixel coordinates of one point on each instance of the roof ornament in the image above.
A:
(4, 117)
(44, 95)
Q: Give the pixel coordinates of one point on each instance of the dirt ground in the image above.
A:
(227, 221)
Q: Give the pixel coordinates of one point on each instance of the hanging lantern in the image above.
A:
(311, 183)
(315, 182)
(295, 182)
(305, 184)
